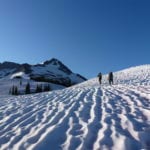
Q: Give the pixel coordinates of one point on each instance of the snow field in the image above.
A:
(86, 116)
(77, 118)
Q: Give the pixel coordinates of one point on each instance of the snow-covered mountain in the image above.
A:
(86, 116)
(53, 71)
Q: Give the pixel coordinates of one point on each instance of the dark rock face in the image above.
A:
(53, 71)
(7, 68)
(9, 65)
(26, 68)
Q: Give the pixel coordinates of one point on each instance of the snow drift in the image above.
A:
(86, 116)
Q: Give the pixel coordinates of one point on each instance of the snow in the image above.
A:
(9, 81)
(86, 116)
(47, 68)
(20, 74)
(5, 72)
(53, 71)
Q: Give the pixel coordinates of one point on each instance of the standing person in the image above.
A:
(100, 77)
(110, 78)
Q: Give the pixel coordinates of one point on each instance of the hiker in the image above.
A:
(110, 78)
(100, 77)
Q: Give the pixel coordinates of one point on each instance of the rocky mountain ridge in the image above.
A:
(52, 70)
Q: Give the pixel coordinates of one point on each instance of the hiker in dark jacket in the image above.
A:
(100, 77)
(110, 78)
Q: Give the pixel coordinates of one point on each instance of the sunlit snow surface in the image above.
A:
(84, 117)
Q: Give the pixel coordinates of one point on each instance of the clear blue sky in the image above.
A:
(89, 36)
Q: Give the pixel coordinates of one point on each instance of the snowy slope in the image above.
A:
(82, 117)
(139, 75)
(7, 83)
(6, 72)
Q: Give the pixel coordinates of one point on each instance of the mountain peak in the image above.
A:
(58, 64)
(52, 61)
